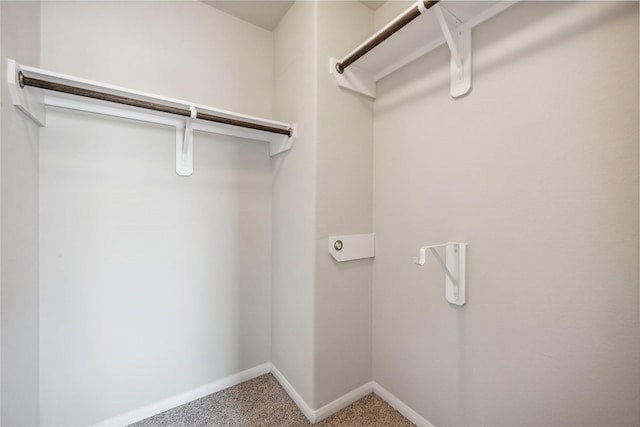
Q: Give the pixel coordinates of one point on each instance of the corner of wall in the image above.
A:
(294, 199)
(344, 197)
(19, 281)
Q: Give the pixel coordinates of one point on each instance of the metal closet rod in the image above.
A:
(387, 32)
(73, 90)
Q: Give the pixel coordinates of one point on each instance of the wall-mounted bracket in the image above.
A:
(354, 79)
(458, 38)
(30, 102)
(454, 267)
(281, 143)
(184, 146)
(351, 247)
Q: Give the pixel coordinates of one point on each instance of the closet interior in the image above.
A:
(191, 198)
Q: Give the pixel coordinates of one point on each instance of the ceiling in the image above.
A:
(265, 14)
(373, 5)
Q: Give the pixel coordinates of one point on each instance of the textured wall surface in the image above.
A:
(152, 284)
(344, 206)
(537, 170)
(19, 139)
(294, 178)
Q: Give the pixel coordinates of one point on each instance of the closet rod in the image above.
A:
(393, 27)
(73, 90)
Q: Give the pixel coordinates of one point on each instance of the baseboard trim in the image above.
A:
(293, 394)
(313, 415)
(343, 401)
(186, 397)
(400, 406)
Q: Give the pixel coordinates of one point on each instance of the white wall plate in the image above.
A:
(352, 246)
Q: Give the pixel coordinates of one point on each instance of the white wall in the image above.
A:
(321, 309)
(294, 200)
(19, 227)
(138, 264)
(152, 284)
(537, 170)
(180, 49)
(344, 206)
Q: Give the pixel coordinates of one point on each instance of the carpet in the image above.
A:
(262, 402)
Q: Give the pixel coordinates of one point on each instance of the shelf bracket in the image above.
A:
(458, 37)
(280, 143)
(184, 145)
(354, 79)
(454, 266)
(31, 103)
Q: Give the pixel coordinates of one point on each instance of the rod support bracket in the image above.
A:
(280, 143)
(30, 102)
(184, 145)
(353, 78)
(421, 6)
(454, 266)
(458, 37)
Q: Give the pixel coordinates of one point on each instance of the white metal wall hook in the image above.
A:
(458, 38)
(454, 267)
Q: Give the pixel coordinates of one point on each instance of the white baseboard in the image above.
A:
(293, 394)
(186, 397)
(315, 415)
(400, 406)
(343, 401)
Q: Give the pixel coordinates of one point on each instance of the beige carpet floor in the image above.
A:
(262, 402)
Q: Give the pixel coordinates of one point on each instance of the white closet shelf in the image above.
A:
(32, 89)
(447, 22)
